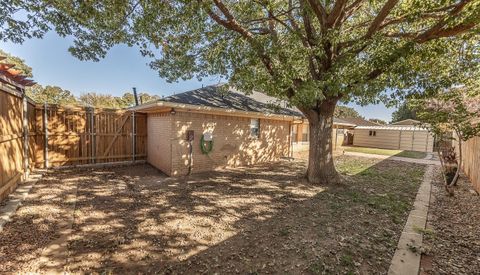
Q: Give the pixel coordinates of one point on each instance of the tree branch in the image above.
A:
(233, 25)
(437, 30)
(386, 9)
(446, 32)
(320, 12)
(336, 13)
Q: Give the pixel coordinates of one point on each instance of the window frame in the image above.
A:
(254, 128)
(295, 133)
(305, 133)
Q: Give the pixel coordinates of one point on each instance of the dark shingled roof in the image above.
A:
(211, 96)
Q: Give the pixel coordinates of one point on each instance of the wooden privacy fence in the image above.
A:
(76, 136)
(13, 158)
(471, 160)
(41, 136)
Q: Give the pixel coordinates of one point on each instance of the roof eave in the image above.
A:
(344, 124)
(206, 109)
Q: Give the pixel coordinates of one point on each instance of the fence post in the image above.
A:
(25, 135)
(92, 135)
(399, 139)
(133, 136)
(426, 145)
(45, 128)
(413, 137)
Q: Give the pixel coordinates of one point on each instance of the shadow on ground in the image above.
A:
(261, 219)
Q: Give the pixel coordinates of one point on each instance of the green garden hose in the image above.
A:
(206, 149)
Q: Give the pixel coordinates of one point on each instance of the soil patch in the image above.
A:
(452, 238)
(261, 219)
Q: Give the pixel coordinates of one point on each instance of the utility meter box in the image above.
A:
(207, 136)
(190, 135)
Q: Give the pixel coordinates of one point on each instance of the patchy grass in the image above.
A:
(257, 220)
(386, 152)
(427, 232)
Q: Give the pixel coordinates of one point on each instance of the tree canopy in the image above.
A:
(345, 111)
(51, 95)
(98, 100)
(455, 110)
(403, 112)
(128, 99)
(305, 51)
(18, 62)
(378, 121)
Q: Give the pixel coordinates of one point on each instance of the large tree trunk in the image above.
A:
(321, 168)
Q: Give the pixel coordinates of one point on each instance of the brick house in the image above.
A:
(245, 130)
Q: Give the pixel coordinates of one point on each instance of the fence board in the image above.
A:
(471, 160)
(11, 141)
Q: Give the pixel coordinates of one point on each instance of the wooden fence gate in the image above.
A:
(75, 136)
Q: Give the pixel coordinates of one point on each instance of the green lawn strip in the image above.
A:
(386, 152)
(368, 213)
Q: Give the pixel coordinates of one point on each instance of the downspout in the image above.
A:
(290, 144)
(190, 157)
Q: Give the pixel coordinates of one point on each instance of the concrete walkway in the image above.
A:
(14, 200)
(406, 260)
(411, 160)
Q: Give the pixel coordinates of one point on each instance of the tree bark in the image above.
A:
(321, 167)
(459, 162)
(447, 188)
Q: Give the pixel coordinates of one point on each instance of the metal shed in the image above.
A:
(409, 138)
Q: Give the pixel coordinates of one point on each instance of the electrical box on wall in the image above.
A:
(190, 135)
(207, 136)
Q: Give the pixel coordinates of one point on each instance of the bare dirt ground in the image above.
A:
(452, 238)
(262, 219)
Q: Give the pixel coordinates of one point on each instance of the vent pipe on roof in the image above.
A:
(135, 95)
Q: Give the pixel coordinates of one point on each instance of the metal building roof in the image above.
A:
(393, 128)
